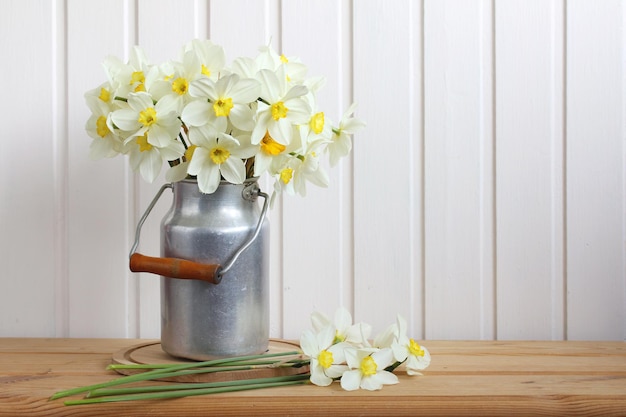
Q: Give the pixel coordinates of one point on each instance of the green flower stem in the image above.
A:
(180, 393)
(145, 376)
(393, 366)
(189, 386)
(176, 370)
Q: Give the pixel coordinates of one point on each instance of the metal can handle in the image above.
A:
(186, 269)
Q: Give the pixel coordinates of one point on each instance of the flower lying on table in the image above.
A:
(341, 350)
(337, 351)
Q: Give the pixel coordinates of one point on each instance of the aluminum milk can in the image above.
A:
(215, 271)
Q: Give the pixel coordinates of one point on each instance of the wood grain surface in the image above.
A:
(465, 378)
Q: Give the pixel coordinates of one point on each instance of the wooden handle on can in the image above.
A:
(175, 268)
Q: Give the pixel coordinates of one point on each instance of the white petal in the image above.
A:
(242, 117)
(150, 165)
(260, 129)
(343, 319)
(125, 119)
(385, 339)
(196, 113)
(351, 380)
(281, 131)
(308, 343)
(202, 87)
(352, 358)
(326, 337)
(270, 85)
(233, 170)
(318, 377)
(336, 371)
(245, 90)
(295, 91)
(339, 351)
(383, 358)
(197, 161)
(371, 383)
(319, 320)
(386, 378)
(171, 103)
(140, 101)
(208, 178)
(159, 136)
(177, 172)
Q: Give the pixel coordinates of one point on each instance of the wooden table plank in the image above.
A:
(465, 378)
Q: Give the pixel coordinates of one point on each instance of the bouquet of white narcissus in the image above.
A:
(340, 350)
(216, 122)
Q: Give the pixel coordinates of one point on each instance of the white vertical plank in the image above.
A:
(596, 227)
(27, 172)
(529, 161)
(314, 231)
(459, 237)
(98, 228)
(256, 23)
(241, 26)
(387, 181)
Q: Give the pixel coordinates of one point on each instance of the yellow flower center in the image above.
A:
(219, 155)
(142, 141)
(105, 95)
(222, 106)
(283, 59)
(140, 87)
(339, 337)
(415, 349)
(205, 71)
(270, 146)
(137, 77)
(180, 86)
(325, 358)
(279, 110)
(317, 122)
(368, 366)
(147, 117)
(189, 152)
(101, 126)
(286, 174)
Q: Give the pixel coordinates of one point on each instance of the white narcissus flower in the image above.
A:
(221, 101)
(216, 157)
(177, 77)
(210, 57)
(327, 359)
(106, 143)
(345, 331)
(404, 348)
(296, 170)
(148, 159)
(134, 76)
(340, 145)
(160, 121)
(367, 369)
(282, 107)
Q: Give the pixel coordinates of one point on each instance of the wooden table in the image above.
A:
(465, 378)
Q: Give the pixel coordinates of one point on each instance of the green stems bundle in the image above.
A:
(102, 392)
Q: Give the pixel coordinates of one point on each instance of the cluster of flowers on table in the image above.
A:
(216, 122)
(334, 350)
(341, 350)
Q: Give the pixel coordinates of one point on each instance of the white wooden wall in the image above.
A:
(485, 200)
